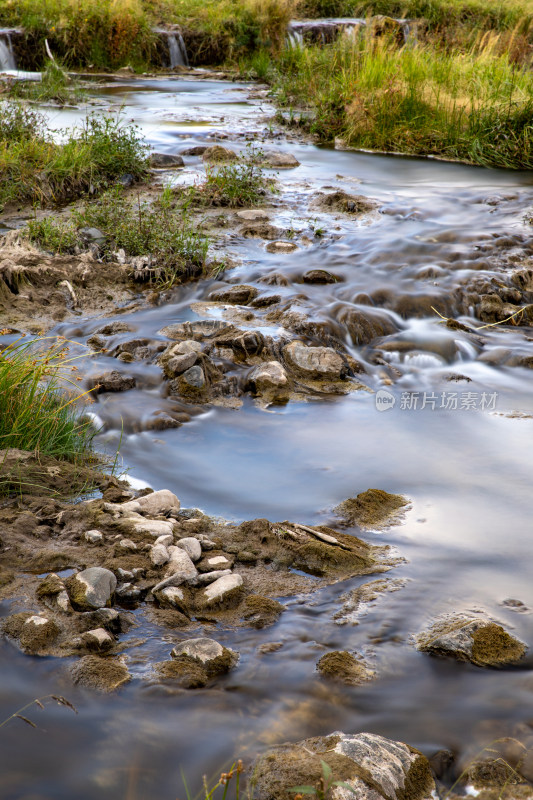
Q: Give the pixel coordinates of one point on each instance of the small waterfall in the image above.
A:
(177, 49)
(325, 31)
(7, 58)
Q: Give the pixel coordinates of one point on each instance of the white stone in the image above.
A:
(192, 547)
(36, 620)
(154, 504)
(165, 540)
(98, 638)
(97, 585)
(201, 649)
(171, 596)
(204, 578)
(218, 561)
(94, 537)
(153, 527)
(219, 590)
(128, 545)
(159, 555)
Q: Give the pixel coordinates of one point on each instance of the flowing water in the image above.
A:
(467, 471)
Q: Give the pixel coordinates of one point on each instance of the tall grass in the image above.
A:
(474, 106)
(38, 407)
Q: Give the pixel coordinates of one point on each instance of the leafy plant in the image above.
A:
(233, 185)
(57, 235)
(323, 785)
(222, 783)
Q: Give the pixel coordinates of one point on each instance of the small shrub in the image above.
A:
(18, 123)
(55, 86)
(234, 185)
(57, 235)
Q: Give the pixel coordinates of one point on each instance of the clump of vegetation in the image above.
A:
(35, 168)
(38, 406)
(55, 86)
(474, 106)
(161, 231)
(234, 185)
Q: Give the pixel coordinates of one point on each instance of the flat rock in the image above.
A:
(372, 766)
(314, 362)
(92, 588)
(281, 247)
(480, 641)
(154, 527)
(239, 295)
(319, 276)
(279, 160)
(155, 504)
(222, 592)
(212, 656)
(166, 161)
(252, 215)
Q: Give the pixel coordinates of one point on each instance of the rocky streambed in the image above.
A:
(371, 329)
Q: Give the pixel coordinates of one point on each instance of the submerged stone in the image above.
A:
(374, 508)
(343, 666)
(314, 362)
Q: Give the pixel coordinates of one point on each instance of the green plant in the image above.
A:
(38, 408)
(322, 787)
(55, 85)
(160, 230)
(233, 185)
(57, 235)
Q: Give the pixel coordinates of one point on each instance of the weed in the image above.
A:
(55, 86)
(40, 703)
(324, 784)
(38, 409)
(51, 233)
(233, 185)
(222, 783)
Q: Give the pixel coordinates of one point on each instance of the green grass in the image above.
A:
(33, 168)
(475, 106)
(38, 407)
(233, 185)
(55, 86)
(161, 230)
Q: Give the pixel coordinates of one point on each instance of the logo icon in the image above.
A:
(384, 400)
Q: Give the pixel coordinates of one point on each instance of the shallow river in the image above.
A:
(465, 542)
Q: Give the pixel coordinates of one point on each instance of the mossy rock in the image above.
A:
(260, 611)
(372, 765)
(184, 671)
(34, 633)
(96, 672)
(319, 558)
(50, 586)
(374, 508)
(479, 641)
(344, 667)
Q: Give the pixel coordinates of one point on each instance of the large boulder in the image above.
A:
(92, 588)
(466, 638)
(371, 766)
(314, 362)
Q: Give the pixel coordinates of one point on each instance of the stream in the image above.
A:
(464, 463)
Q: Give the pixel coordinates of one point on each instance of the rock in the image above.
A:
(480, 641)
(96, 672)
(212, 656)
(161, 422)
(159, 554)
(154, 527)
(166, 161)
(269, 647)
(341, 201)
(222, 592)
(98, 639)
(281, 247)
(161, 503)
(314, 362)
(261, 611)
(126, 180)
(188, 346)
(261, 230)
(239, 295)
(127, 545)
(124, 574)
(92, 235)
(343, 666)
(92, 588)
(374, 508)
(279, 160)
(218, 154)
(192, 547)
(172, 597)
(252, 215)
(270, 381)
(165, 540)
(128, 593)
(205, 541)
(180, 569)
(112, 382)
(203, 578)
(35, 633)
(52, 585)
(319, 276)
(197, 150)
(178, 364)
(200, 329)
(192, 381)
(218, 562)
(107, 618)
(374, 768)
(94, 537)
